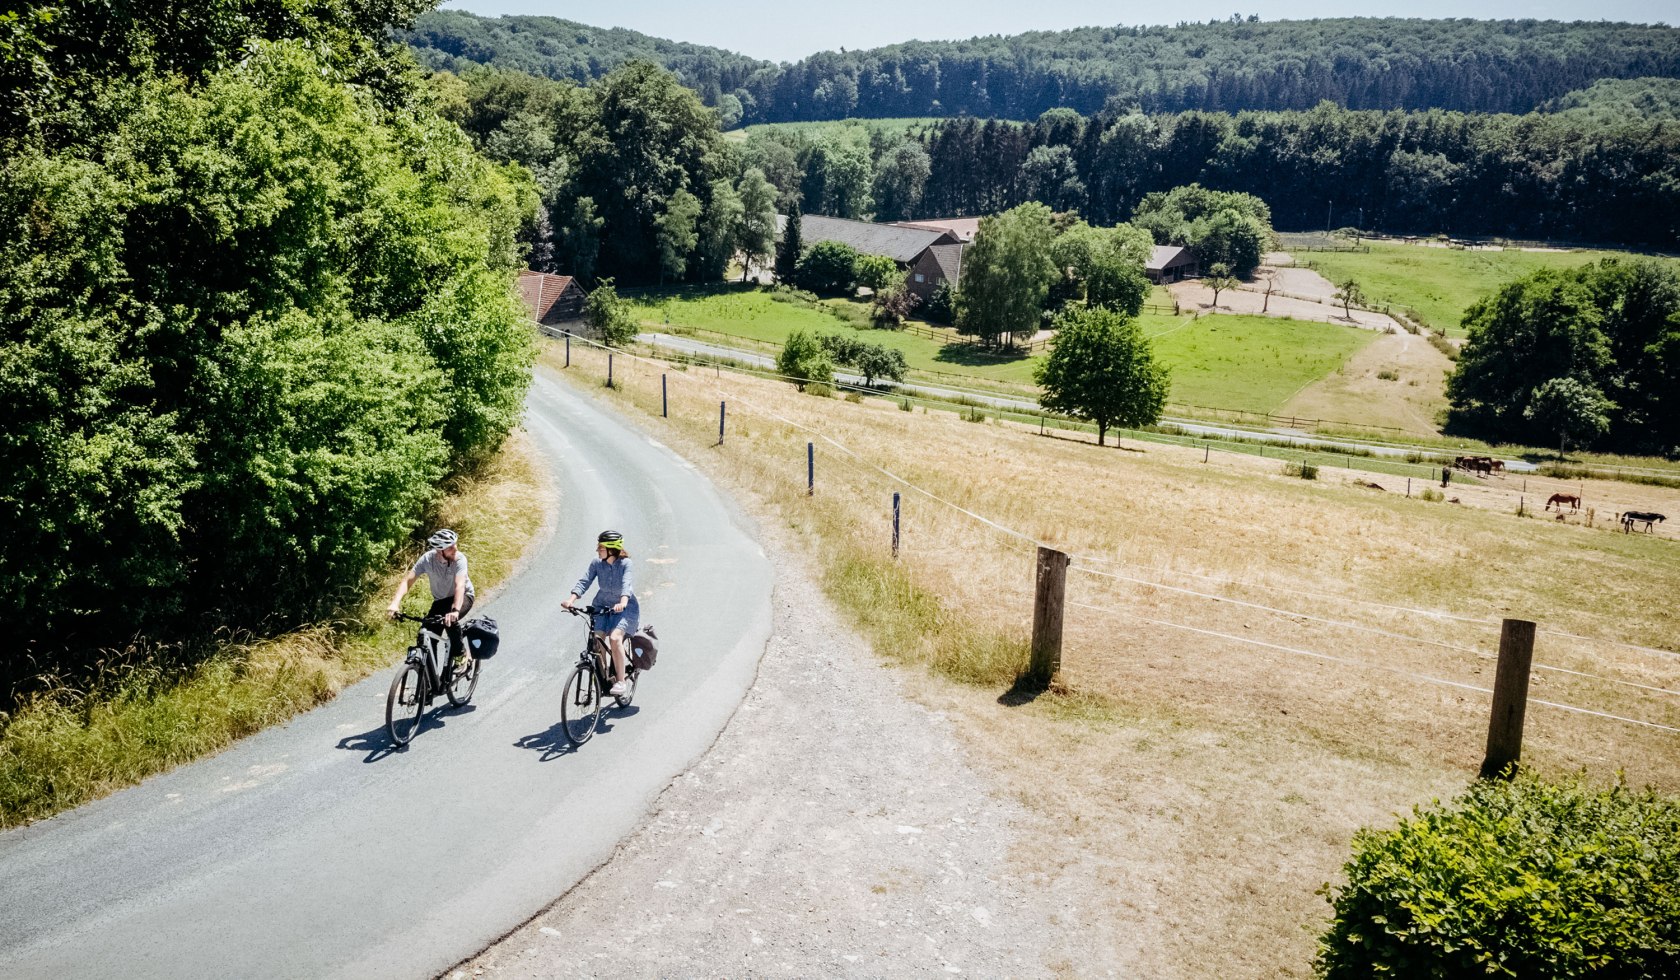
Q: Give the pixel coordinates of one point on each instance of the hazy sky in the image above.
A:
(783, 31)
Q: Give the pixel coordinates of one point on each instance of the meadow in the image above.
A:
(1439, 283)
(1254, 665)
(886, 125)
(1247, 363)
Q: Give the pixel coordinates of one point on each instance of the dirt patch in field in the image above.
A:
(1299, 294)
(1397, 381)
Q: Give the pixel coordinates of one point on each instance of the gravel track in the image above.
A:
(836, 828)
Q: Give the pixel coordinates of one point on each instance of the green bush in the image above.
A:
(804, 361)
(828, 267)
(1514, 879)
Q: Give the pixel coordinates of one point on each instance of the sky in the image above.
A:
(780, 31)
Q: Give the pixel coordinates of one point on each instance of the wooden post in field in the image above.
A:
(1049, 591)
(722, 410)
(664, 398)
(609, 369)
(895, 525)
(1510, 697)
(568, 350)
(810, 469)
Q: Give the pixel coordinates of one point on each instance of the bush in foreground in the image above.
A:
(1514, 879)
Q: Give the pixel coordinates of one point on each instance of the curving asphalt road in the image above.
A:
(313, 850)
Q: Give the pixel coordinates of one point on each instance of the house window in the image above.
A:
(920, 277)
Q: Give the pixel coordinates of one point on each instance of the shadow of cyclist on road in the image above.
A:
(376, 742)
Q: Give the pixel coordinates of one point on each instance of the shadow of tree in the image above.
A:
(979, 355)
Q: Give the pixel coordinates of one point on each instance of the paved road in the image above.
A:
(313, 850)
(1280, 437)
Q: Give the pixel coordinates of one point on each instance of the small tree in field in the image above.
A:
(804, 361)
(1220, 279)
(1573, 409)
(1101, 369)
(607, 312)
(878, 272)
(828, 267)
(1349, 293)
(880, 361)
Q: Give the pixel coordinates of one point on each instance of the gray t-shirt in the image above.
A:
(440, 573)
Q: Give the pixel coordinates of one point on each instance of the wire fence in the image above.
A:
(1630, 673)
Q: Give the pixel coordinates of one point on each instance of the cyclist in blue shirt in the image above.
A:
(617, 589)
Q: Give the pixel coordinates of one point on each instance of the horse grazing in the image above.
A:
(1646, 517)
(1561, 499)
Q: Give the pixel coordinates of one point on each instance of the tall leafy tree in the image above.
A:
(1007, 274)
(901, 177)
(720, 230)
(676, 233)
(756, 238)
(1102, 370)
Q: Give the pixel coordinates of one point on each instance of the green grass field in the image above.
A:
(1439, 283)
(1247, 363)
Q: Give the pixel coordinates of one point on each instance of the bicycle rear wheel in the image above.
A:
(580, 705)
(406, 703)
(623, 700)
(462, 684)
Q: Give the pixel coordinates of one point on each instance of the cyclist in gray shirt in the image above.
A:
(445, 568)
(612, 570)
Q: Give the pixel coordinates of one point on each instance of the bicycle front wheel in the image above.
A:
(462, 683)
(580, 705)
(406, 703)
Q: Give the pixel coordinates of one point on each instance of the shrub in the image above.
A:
(1304, 470)
(1432, 495)
(828, 267)
(804, 360)
(1388, 375)
(1519, 879)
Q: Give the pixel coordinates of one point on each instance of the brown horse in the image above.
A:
(1561, 499)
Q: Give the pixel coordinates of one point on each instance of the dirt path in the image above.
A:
(836, 828)
(1300, 294)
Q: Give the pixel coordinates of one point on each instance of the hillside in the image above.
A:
(1359, 63)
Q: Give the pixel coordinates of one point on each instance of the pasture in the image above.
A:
(1254, 665)
(1247, 363)
(887, 125)
(1439, 283)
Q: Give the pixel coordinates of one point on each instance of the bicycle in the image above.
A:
(418, 680)
(582, 697)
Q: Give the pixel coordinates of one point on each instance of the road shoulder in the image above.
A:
(836, 828)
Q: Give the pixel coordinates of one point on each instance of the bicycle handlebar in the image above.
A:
(422, 620)
(588, 610)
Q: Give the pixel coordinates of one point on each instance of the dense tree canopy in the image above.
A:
(252, 315)
(1612, 329)
(1007, 274)
(1235, 65)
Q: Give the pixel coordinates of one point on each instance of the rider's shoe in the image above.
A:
(619, 690)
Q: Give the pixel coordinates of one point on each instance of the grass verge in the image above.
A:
(64, 748)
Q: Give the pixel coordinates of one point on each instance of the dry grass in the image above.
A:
(1410, 398)
(1195, 790)
(63, 749)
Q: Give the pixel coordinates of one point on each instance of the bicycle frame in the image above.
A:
(428, 644)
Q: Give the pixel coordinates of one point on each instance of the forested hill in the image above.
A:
(1358, 63)
(549, 47)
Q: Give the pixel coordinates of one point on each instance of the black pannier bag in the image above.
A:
(644, 652)
(482, 636)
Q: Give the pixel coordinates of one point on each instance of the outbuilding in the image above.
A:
(1171, 263)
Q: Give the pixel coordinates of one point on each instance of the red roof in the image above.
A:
(542, 290)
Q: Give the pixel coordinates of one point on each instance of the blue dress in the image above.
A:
(616, 580)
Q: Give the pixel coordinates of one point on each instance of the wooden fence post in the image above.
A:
(664, 398)
(895, 525)
(722, 410)
(1049, 592)
(568, 350)
(609, 369)
(810, 469)
(1510, 697)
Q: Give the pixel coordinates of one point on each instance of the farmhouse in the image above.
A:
(1171, 263)
(936, 264)
(553, 300)
(899, 243)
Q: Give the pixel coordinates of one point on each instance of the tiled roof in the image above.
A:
(949, 260)
(899, 243)
(541, 291)
(1164, 256)
(964, 228)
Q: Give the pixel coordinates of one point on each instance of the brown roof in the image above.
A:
(899, 243)
(964, 228)
(1167, 256)
(542, 290)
